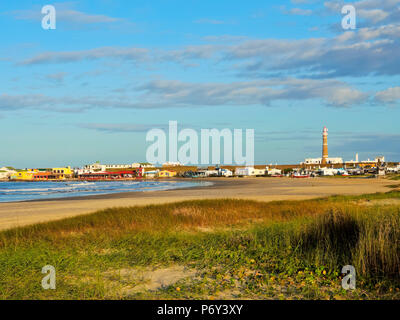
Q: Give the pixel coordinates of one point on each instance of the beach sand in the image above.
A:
(260, 189)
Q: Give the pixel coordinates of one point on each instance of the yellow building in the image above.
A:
(166, 174)
(26, 175)
(62, 173)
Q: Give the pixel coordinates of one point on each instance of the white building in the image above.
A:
(5, 172)
(327, 172)
(96, 167)
(380, 159)
(272, 171)
(342, 172)
(319, 160)
(211, 173)
(171, 164)
(225, 172)
(122, 166)
(393, 169)
(144, 165)
(150, 174)
(249, 171)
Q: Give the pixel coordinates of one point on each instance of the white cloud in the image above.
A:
(372, 11)
(131, 54)
(57, 77)
(259, 92)
(209, 21)
(374, 15)
(390, 31)
(389, 95)
(172, 93)
(346, 55)
(66, 13)
(300, 12)
(119, 127)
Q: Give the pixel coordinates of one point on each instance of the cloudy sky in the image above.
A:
(111, 70)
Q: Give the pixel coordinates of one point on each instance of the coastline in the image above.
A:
(112, 195)
(14, 214)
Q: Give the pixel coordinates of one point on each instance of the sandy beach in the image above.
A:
(261, 189)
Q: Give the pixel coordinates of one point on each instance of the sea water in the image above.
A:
(21, 191)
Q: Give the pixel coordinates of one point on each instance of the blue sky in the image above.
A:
(90, 89)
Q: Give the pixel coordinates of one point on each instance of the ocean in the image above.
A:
(21, 191)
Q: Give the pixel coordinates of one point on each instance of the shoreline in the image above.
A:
(216, 183)
(113, 195)
(15, 214)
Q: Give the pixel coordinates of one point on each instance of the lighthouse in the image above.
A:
(324, 146)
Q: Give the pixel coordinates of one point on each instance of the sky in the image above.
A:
(91, 89)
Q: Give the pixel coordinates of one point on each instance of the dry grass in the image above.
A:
(187, 215)
(233, 241)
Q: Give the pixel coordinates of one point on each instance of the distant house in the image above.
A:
(393, 169)
(201, 172)
(63, 173)
(211, 173)
(23, 175)
(327, 172)
(145, 165)
(225, 172)
(249, 171)
(166, 174)
(273, 171)
(122, 166)
(171, 164)
(319, 161)
(6, 172)
(150, 174)
(355, 171)
(377, 160)
(97, 166)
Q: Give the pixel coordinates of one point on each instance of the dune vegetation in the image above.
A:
(212, 249)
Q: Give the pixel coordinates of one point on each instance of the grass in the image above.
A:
(235, 248)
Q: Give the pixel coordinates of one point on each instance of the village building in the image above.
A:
(272, 171)
(150, 174)
(363, 163)
(24, 175)
(225, 172)
(249, 171)
(6, 172)
(63, 173)
(317, 161)
(171, 164)
(166, 174)
(97, 166)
